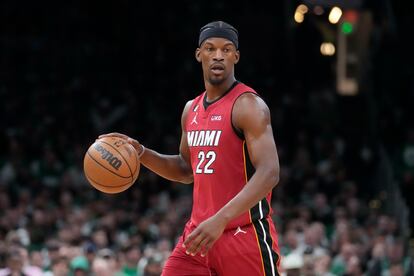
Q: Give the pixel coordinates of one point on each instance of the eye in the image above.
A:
(209, 49)
(226, 50)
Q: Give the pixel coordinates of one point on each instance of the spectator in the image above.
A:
(79, 266)
(292, 265)
(343, 259)
(154, 266)
(323, 265)
(129, 263)
(59, 267)
(290, 243)
(17, 263)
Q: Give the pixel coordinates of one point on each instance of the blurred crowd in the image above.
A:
(54, 223)
(63, 84)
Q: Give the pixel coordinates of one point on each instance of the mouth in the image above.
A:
(217, 68)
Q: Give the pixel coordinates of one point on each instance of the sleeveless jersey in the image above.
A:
(219, 159)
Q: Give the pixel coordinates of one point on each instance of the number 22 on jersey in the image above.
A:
(205, 160)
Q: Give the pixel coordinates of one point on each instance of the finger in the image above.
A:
(201, 246)
(133, 141)
(107, 135)
(136, 145)
(206, 248)
(194, 247)
(114, 134)
(190, 238)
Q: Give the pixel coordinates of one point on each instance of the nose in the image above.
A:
(218, 55)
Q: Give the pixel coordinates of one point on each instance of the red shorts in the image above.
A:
(249, 250)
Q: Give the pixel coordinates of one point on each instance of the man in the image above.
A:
(230, 231)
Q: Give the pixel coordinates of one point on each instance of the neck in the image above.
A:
(216, 91)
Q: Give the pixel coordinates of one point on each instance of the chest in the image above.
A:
(209, 127)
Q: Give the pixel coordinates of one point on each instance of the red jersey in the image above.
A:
(219, 158)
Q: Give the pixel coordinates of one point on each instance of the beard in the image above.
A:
(216, 81)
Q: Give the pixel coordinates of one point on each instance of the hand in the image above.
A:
(204, 236)
(137, 145)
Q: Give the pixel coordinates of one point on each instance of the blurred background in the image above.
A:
(338, 77)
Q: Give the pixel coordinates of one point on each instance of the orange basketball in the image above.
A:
(111, 165)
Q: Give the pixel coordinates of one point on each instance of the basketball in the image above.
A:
(111, 165)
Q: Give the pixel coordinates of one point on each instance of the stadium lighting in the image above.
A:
(334, 15)
(300, 13)
(299, 17)
(302, 9)
(327, 49)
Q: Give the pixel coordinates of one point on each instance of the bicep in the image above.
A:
(261, 147)
(252, 116)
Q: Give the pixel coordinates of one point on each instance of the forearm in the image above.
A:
(259, 185)
(171, 167)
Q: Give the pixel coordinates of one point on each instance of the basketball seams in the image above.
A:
(136, 158)
(106, 186)
(126, 162)
(90, 155)
(113, 190)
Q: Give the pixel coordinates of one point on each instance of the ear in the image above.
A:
(237, 57)
(197, 55)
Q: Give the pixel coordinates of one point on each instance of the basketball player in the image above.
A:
(230, 231)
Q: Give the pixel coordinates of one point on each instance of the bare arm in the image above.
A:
(172, 167)
(251, 115)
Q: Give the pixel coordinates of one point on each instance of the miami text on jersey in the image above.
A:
(201, 138)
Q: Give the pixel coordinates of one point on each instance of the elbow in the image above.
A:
(186, 172)
(187, 178)
(274, 177)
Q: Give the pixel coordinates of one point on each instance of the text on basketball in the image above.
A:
(108, 156)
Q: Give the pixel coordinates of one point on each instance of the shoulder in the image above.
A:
(186, 110)
(250, 110)
(187, 107)
(192, 102)
(249, 102)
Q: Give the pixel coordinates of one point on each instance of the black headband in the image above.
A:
(219, 29)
